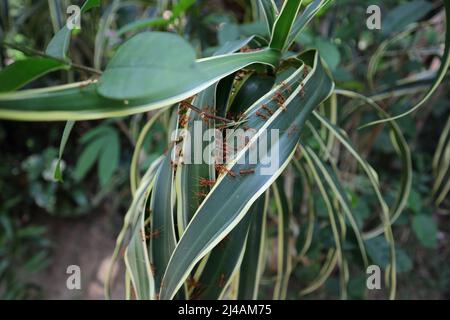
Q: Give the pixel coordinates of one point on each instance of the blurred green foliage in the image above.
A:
(28, 160)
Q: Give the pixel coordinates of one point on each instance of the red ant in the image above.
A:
(292, 129)
(302, 91)
(86, 83)
(223, 242)
(154, 234)
(206, 183)
(246, 171)
(259, 114)
(143, 236)
(221, 280)
(227, 147)
(183, 108)
(265, 107)
(280, 100)
(305, 72)
(178, 140)
(201, 194)
(192, 283)
(286, 86)
(173, 164)
(197, 292)
(206, 114)
(223, 170)
(183, 121)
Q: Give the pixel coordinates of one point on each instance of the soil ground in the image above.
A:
(88, 243)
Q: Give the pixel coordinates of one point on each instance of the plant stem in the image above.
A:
(205, 114)
(29, 51)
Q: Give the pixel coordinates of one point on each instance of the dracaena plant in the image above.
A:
(199, 231)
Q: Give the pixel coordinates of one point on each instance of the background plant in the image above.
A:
(343, 196)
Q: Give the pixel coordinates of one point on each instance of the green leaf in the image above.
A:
(88, 158)
(162, 234)
(59, 45)
(403, 15)
(155, 64)
(231, 198)
(284, 265)
(22, 72)
(252, 265)
(189, 175)
(269, 12)
(89, 4)
(337, 189)
(251, 89)
(181, 7)
(329, 52)
(441, 166)
(65, 136)
(67, 102)
(178, 9)
(137, 258)
(379, 252)
(228, 32)
(109, 158)
(425, 229)
(445, 63)
(283, 24)
(141, 24)
(301, 22)
(223, 262)
(401, 148)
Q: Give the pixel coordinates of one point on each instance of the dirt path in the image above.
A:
(88, 243)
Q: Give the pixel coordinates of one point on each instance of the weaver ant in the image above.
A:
(206, 183)
(197, 292)
(262, 116)
(192, 283)
(248, 49)
(173, 164)
(305, 72)
(183, 121)
(246, 171)
(86, 83)
(265, 107)
(221, 280)
(223, 170)
(280, 100)
(150, 235)
(286, 86)
(201, 194)
(292, 129)
(302, 91)
(223, 242)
